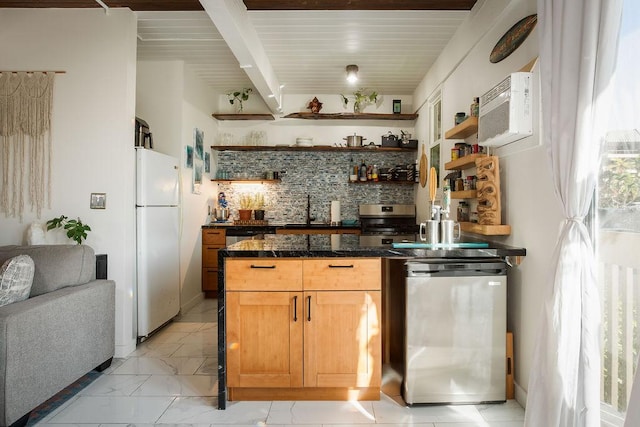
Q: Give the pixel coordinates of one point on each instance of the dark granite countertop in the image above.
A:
(348, 245)
(271, 228)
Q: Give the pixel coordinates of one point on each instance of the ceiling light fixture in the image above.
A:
(352, 73)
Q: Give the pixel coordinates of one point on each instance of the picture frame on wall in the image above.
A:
(198, 143)
(198, 160)
(188, 157)
(207, 162)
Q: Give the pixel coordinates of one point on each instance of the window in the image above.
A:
(617, 229)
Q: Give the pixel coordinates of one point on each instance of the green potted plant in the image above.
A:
(361, 98)
(76, 230)
(237, 97)
(258, 206)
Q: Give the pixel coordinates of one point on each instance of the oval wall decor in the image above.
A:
(513, 38)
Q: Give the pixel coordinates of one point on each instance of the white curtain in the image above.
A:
(578, 44)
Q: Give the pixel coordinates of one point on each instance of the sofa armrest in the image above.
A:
(49, 341)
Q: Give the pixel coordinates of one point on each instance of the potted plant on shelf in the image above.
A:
(237, 97)
(361, 98)
(258, 206)
(246, 202)
(76, 230)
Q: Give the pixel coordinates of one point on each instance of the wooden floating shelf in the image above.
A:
(246, 181)
(486, 230)
(350, 116)
(243, 116)
(463, 130)
(464, 162)
(467, 194)
(383, 182)
(314, 148)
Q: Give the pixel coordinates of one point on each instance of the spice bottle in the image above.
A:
(474, 110)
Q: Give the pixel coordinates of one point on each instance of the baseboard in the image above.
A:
(521, 395)
(192, 303)
(123, 350)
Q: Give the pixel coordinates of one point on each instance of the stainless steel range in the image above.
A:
(382, 225)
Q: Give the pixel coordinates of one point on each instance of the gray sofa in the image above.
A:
(65, 328)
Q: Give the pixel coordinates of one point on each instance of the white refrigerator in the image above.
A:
(157, 240)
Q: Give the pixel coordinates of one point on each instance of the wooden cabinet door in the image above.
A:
(328, 274)
(214, 236)
(268, 274)
(210, 256)
(264, 339)
(342, 343)
(210, 279)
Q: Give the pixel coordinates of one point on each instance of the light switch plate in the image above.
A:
(98, 201)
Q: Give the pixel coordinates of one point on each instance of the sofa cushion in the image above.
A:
(37, 234)
(56, 266)
(16, 277)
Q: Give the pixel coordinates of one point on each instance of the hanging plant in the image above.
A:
(237, 97)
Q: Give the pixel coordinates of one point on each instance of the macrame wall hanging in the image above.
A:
(25, 141)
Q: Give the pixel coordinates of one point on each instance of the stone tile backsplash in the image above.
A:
(324, 175)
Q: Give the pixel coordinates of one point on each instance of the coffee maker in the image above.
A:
(143, 136)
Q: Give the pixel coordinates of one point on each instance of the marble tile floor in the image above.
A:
(171, 380)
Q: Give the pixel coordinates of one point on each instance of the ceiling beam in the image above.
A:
(359, 4)
(135, 5)
(232, 21)
(176, 5)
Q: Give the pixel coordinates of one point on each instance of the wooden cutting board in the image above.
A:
(433, 184)
(423, 168)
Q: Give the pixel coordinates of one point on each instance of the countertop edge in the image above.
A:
(377, 253)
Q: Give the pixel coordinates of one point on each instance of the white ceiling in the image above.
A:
(308, 50)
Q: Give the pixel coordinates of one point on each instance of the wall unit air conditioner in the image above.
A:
(505, 111)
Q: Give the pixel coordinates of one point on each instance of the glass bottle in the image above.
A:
(474, 111)
(363, 171)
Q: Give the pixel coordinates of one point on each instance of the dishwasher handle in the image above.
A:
(455, 268)
(456, 273)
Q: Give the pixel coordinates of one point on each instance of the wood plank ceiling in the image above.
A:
(308, 42)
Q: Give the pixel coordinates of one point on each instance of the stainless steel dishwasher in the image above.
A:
(455, 331)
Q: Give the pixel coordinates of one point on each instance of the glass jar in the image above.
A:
(463, 212)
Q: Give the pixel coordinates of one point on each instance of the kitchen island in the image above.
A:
(264, 286)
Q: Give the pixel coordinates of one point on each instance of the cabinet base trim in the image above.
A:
(320, 393)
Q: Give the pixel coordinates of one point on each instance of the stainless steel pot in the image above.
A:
(221, 214)
(354, 140)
